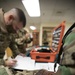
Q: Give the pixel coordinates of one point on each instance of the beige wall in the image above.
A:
(51, 25)
(67, 25)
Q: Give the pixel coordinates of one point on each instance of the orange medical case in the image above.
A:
(57, 36)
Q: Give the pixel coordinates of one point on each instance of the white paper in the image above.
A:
(24, 63)
(41, 66)
(47, 66)
(51, 67)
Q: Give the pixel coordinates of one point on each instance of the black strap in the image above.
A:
(72, 66)
(61, 49)
(68, 31)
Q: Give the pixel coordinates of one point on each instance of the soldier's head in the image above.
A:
(14, 19)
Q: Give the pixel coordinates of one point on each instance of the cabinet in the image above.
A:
(47, 35)
(35, 38)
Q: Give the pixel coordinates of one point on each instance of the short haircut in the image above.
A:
(21, 15)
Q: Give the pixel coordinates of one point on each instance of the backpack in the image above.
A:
(66, 56)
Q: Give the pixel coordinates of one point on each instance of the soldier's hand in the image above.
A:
(10, 63)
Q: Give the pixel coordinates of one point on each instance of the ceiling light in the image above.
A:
(32, 7)
(32, 27)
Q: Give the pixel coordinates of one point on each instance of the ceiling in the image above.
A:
(52, 11)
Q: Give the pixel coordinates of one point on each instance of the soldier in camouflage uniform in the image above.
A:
(21, 39)
(10, 22)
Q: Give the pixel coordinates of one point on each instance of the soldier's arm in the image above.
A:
(13, 46)
(28, 40)
(14, 49)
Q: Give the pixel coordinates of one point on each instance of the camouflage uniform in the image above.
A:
(67, 59)
(22, 41)
(5, 41)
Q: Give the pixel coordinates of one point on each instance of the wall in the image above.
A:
(51, 25)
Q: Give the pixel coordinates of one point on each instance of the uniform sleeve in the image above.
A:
(13, 46)
(14, 49)
(28, 40)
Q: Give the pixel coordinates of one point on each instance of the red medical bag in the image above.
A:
(57, 36)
